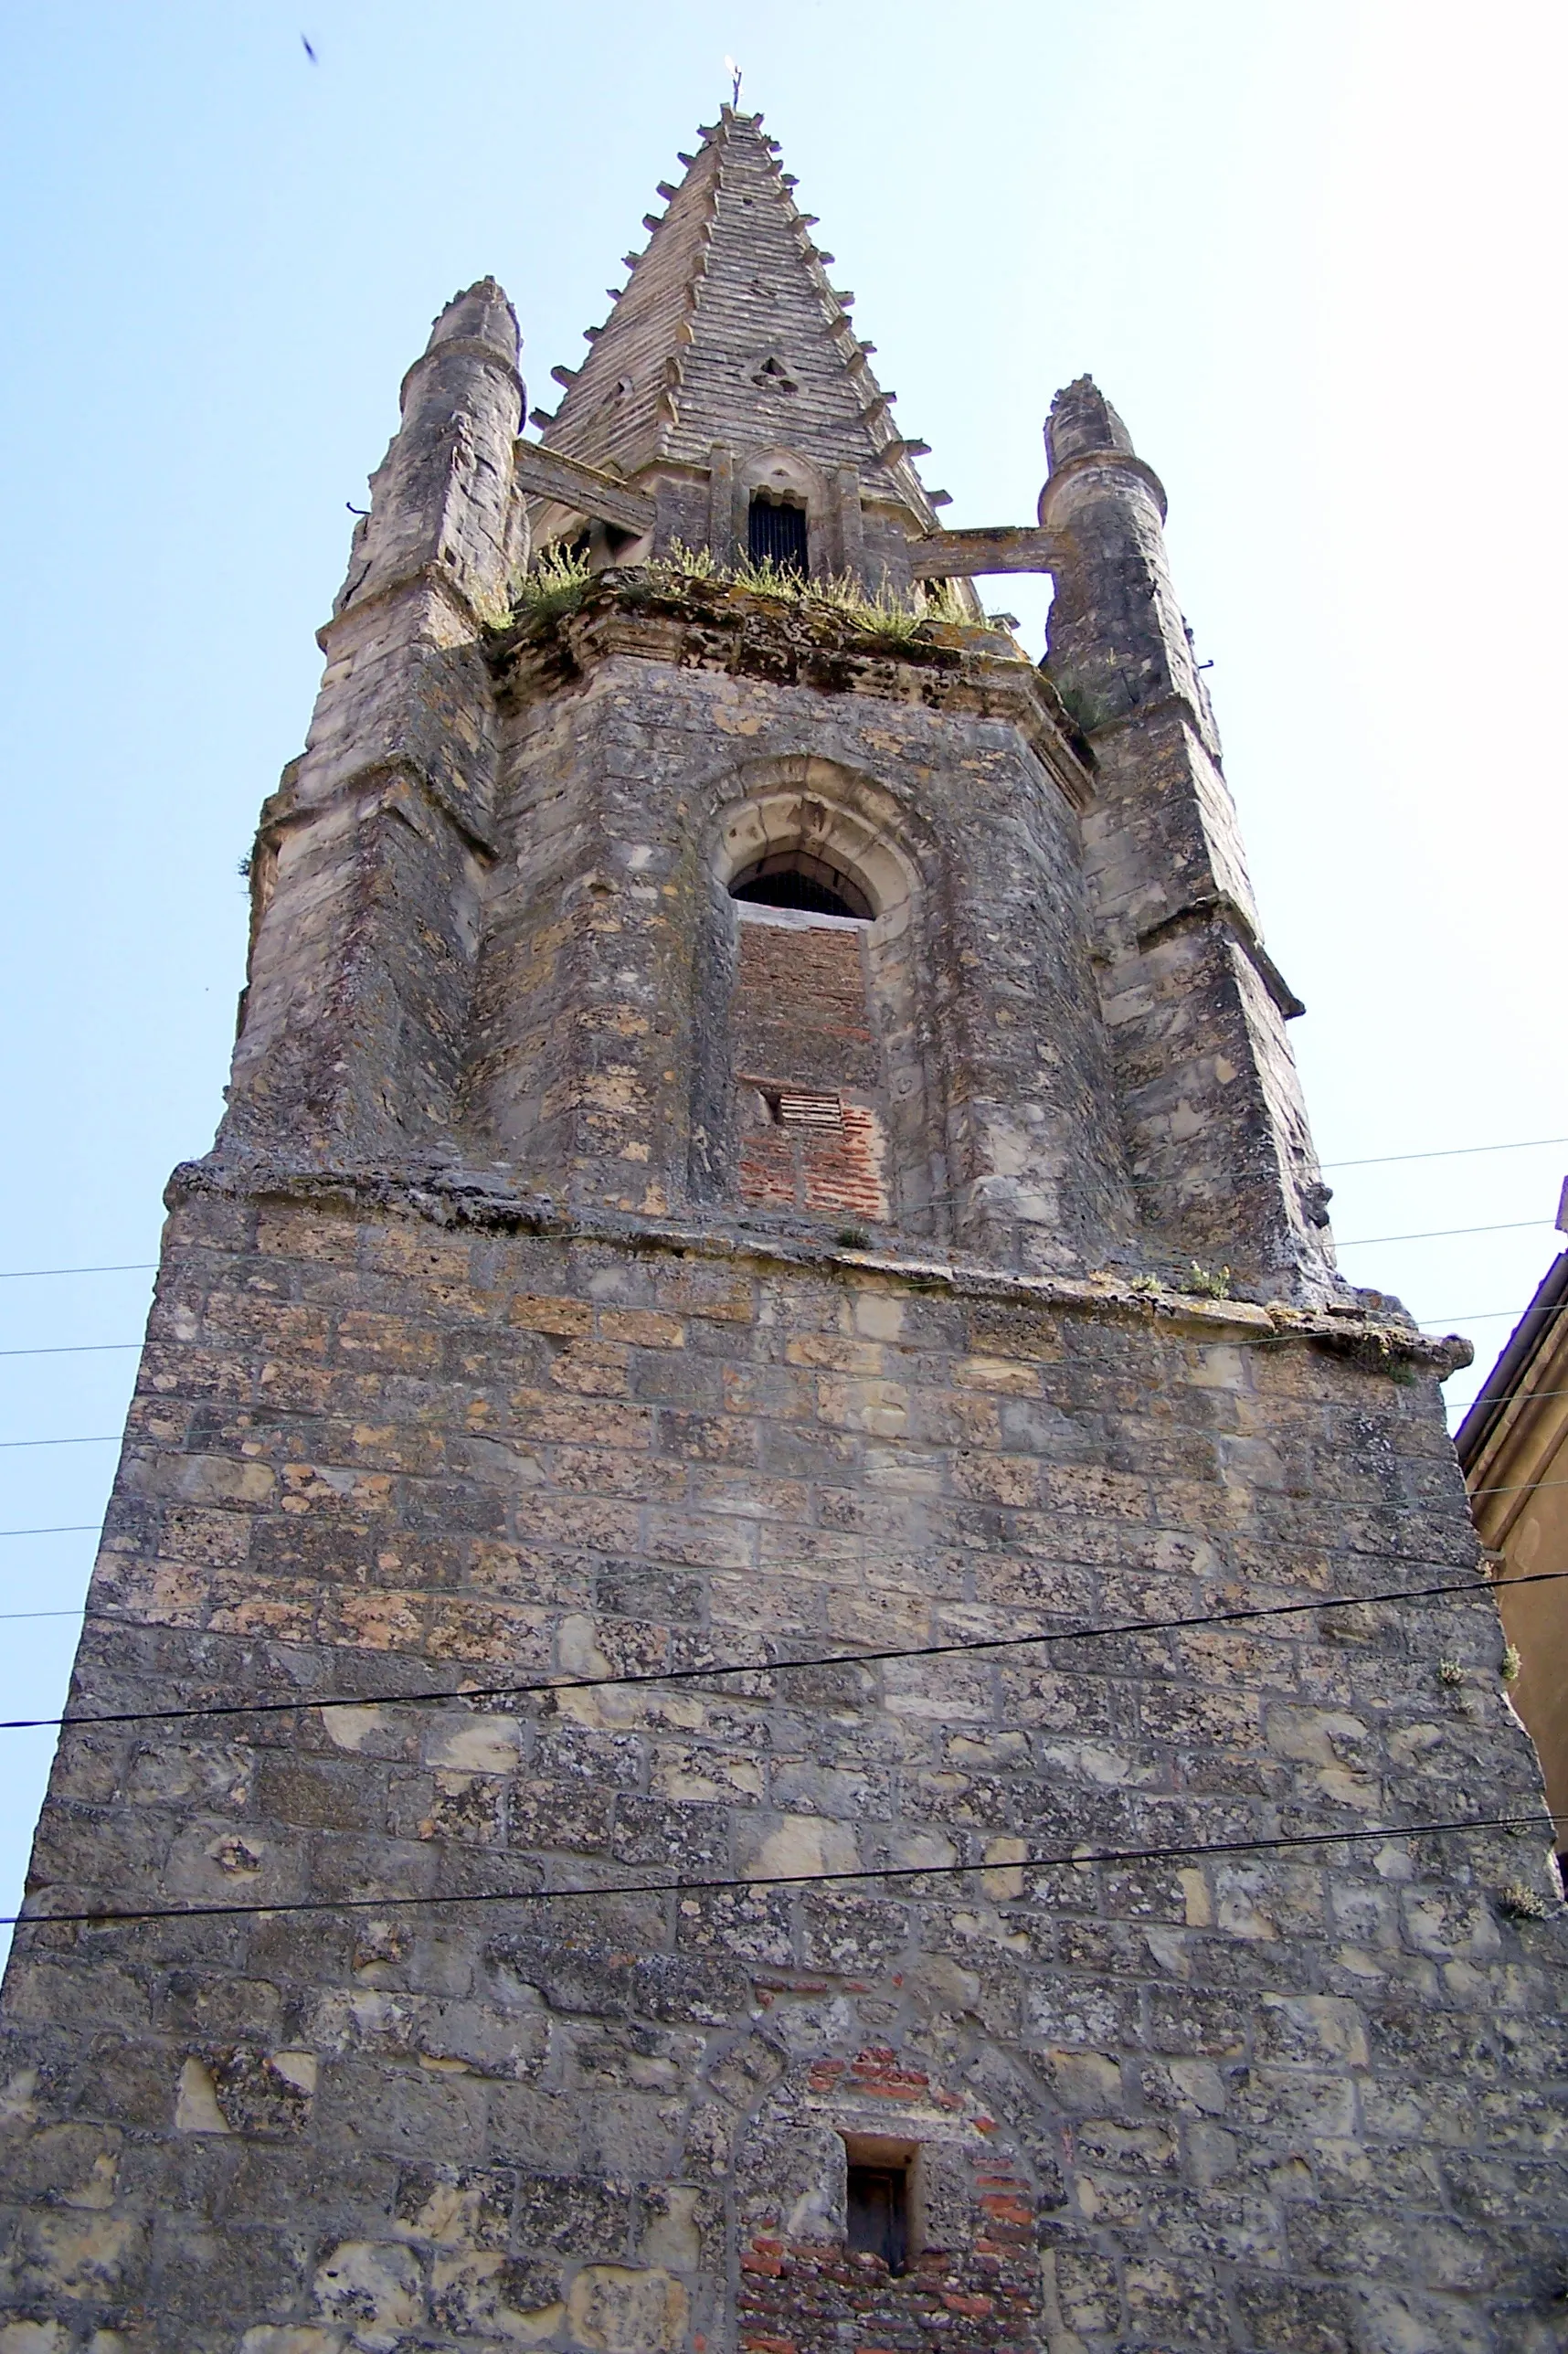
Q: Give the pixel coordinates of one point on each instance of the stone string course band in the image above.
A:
(598, 1280)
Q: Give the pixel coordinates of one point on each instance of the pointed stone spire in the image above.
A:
(730, 338)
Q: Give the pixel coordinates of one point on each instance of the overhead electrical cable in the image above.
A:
(65, 1529)
(1247, 1612)
(74, 1348)
(98, 1348)
(105, 1916)
(284, 1421)
(1455, 1319)
(96, 1438)
(1515, 1487)
(30, 1274)
(1439, 1233)
(1447, 1152)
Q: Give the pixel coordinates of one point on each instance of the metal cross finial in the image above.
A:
(734, 72)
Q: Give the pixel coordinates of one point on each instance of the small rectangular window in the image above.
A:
(878, 2213)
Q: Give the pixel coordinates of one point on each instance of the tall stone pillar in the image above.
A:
(1195, 1007)
(367, 871)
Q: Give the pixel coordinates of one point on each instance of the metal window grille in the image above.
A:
(777, 535)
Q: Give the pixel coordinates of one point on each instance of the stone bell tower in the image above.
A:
(669, 1751)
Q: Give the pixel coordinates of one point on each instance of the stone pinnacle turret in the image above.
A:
(364, 879)
(443, 494)
(1218, 1140)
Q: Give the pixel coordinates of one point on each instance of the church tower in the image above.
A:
(776, 1667)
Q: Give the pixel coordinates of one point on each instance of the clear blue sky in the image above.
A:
(1312, 251)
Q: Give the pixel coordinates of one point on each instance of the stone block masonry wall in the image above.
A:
(1288, 2101)
(602, 1055)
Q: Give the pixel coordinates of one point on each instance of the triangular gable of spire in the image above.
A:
(728, 332)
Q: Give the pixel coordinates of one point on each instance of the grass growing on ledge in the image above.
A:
(881, 615)
(559, 581)
(557, 584)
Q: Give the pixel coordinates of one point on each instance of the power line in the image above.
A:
(1455, 1405)
(1506, 1397)
(1442, 1234)
(6, 1616)
(1474, 1316)
(1243, 1613)
(1518, 1488)
(1080, 1857)
(76, 1348)
(28, 1274)
(1479, 1315)
(65, 1529)
(1503, 1397)
(1450, 1152)
(100, 1439)
(1455, 1316)
(1379, 1160)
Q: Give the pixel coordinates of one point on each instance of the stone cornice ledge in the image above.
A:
(453, 1197)
(696, 623)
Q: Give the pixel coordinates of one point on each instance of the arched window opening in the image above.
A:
(793, 878)
(776, 533)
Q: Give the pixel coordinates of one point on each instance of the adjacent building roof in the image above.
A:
(1510, 1385)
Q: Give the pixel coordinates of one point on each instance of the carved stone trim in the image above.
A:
(457, 1198)
(1218, 907)
(544, 474)
(714, 625)
(998, 547)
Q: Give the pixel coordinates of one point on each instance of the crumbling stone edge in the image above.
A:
(447, 1197)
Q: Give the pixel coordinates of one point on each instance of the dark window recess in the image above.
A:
(879, 2213)
(776, 535)
(792, 878)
